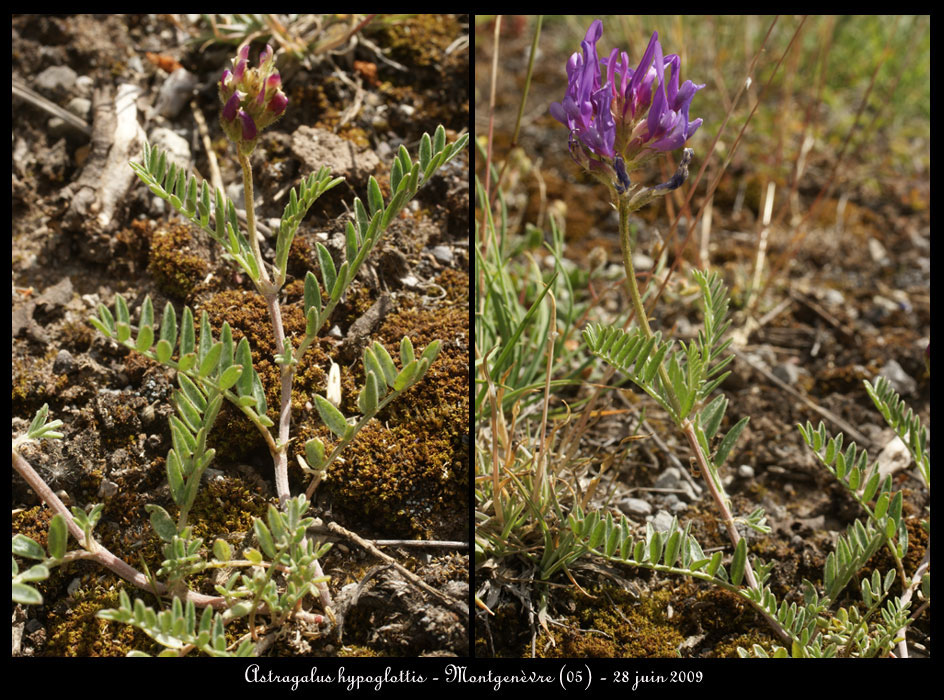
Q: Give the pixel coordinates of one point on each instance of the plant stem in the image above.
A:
(718, 495)
(270, 293)
(251, 215)
(625, 209)
(96, 551)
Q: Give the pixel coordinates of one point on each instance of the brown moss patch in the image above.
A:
(614, 624)
(225, 506)
(172, 262)
(74, 630)
(411, 478)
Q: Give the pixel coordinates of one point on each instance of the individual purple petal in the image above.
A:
(640, 86)
(278, 103)
(273, 81)
(227, 75)
(232, 105)
(249, 126)
(557, 111)
(239, 70)
(265, 55)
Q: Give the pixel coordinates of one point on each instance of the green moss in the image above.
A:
(728, 649)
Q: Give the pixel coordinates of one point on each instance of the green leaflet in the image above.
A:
(331, 416)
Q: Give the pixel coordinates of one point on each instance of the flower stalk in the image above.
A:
(620, 118)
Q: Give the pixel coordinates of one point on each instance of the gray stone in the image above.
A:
(443, 254)
(64, 362)
(834, 297)
(55, 297)
(786, 372)
(84, 85)
(745, 471)
(175, 92)
(56, 81)
(662, 521)
(176, 146)
(898, 378)
(107, 489)
(33, 625)
(669, 479)
(688, 492)
(317, 147)
(878, 253)
(635, 506)
(80, 107)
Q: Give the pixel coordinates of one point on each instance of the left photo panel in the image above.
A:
(240, 335)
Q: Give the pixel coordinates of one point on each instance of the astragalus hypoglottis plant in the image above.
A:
(279, 576)
(621, 114)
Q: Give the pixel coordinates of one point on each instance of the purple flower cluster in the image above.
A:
(252, 98)
(616, 113)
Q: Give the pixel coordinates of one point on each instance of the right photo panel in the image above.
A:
(702, 339)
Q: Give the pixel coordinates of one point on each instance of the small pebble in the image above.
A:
(34, 625)
(107, 489)
(898, 378)
(878, 252)
(642, 261)
(669, 479)
(80, 107)
(443, 254)
(745, 471)
(176, 147)
(786, 372)
(662, 521)
(84, 85)
(64, 362)
(635, 506)
(688, 492)
(834, 297)
(55, 81)
(175, 92)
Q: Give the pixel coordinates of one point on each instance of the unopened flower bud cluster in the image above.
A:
(252, 98)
